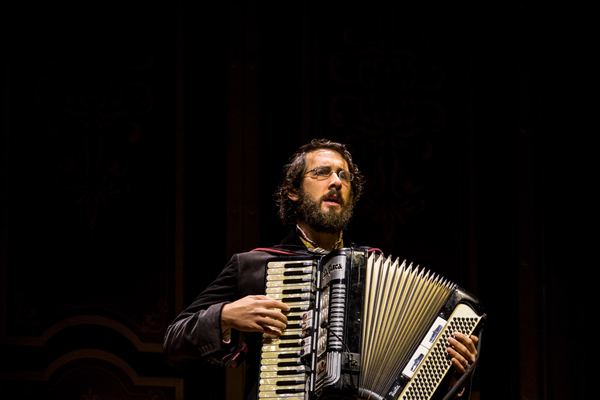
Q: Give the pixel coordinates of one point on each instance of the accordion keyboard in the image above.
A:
(283, 371)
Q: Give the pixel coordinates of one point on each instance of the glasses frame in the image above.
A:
(331, 171)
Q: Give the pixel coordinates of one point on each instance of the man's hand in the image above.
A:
(462, 351)
(255, 314)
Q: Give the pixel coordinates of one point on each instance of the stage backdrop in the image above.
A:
(141, 146)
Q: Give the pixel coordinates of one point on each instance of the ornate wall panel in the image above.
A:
(89, 374)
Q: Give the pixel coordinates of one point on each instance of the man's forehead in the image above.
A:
(325, 157)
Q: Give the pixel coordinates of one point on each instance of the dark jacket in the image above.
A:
(195, 335)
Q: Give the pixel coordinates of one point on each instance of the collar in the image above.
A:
(310, 243)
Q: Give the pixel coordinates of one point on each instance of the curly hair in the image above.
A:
(294, 171)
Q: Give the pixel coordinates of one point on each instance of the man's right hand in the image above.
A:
(255, 314)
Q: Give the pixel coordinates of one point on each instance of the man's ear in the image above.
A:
(292, 195)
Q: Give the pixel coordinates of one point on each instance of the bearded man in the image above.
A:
(317, 197)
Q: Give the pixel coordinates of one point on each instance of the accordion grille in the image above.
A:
(401, 302)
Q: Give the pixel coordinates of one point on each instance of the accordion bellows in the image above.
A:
(361, 325)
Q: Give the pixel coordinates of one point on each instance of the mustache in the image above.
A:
(332, 193)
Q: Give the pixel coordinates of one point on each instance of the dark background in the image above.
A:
(141, 145)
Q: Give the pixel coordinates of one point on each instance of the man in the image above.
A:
(317, 195)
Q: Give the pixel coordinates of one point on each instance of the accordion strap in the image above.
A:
(288, 249)
(296, 250)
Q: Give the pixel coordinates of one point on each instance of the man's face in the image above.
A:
(326, 205)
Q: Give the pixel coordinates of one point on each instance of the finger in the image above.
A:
(268, 302)
(460, 367)
(276, 314)
(259, 297)
(466, 340)
(457, 345)
(275, 319)
(278, 304)
(272, 328)
(272, 331)
(460, 363)
(265, 324)
(464, 345)
(455, 355)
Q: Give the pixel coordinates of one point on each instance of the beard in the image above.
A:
(329, 221)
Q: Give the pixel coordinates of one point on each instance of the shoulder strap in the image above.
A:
(296, 250)
(288, 249)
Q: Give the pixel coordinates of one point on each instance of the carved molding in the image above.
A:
(84, 320)
(85, 373)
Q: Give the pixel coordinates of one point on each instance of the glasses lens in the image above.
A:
(345, 175)
(322, 172)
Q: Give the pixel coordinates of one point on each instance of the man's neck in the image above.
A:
(326, 241)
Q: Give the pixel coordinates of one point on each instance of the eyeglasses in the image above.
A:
(322, 173)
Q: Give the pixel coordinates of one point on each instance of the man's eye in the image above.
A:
(322, 171)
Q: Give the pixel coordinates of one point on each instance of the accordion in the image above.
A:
(361, 325)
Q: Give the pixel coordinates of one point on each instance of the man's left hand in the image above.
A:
(462, 352)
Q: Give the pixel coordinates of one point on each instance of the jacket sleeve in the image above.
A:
(195, 335)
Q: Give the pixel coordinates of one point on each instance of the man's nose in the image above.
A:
(335, 181)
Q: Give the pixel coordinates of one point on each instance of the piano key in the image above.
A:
(308, 280)
(297, 388)
(273, 288)
(281, 278)
(290, 396)
(290, 289)
(291, 263)
(283, 370)
(300, 308)
(286, 344)
(277, 357)
(274, 269)
(281, 354)
(291, 267)
(281, 381)
(293, 296)
(293, 363)
(292, 375)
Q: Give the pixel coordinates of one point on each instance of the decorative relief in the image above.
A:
(90, 396)
(89, 374)
(154, 394)
(156, 322)
(26, 314)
